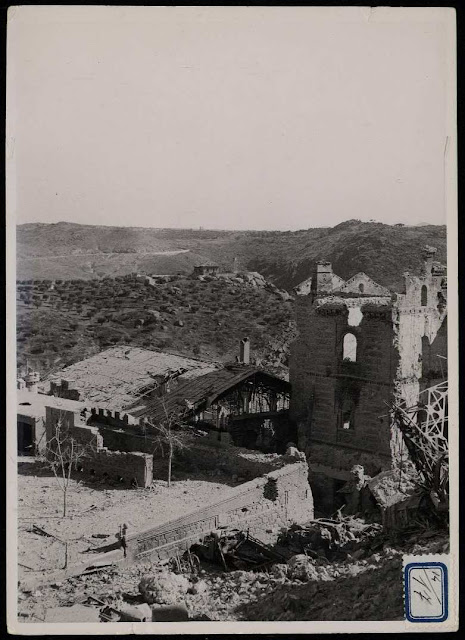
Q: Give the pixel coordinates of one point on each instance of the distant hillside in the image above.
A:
(70, 251)
(62, 322)
(382, 251)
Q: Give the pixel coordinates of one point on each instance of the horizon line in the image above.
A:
(202, 228)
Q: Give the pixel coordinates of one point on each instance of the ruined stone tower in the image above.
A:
(359, 347)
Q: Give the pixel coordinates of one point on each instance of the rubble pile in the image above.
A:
(236, 549)
(330, 539)
(366, 584)
(163, 587)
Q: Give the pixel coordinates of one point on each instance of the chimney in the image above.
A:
(322, 280)
(244, 356)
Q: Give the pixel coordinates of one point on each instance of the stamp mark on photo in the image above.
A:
(426, 596)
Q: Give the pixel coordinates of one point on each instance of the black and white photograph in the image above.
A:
(232, 320)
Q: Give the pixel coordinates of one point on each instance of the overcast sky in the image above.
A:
(264, 118)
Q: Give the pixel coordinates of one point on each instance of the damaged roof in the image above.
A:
(370, 287)
(117, 376)
(203, 391)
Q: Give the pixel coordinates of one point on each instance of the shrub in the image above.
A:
(37, 348)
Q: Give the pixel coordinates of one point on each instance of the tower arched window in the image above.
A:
(349, 348)
(424, 295)
(361, 287)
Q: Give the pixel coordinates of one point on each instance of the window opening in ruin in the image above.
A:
(424, 296)
(349, 351)
(338, 495)
(347, 423)
(361, 287)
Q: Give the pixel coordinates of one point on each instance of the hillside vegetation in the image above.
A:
(62, 322)
(70, 251)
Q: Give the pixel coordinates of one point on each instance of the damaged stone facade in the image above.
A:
(420, 329)
(360, 347)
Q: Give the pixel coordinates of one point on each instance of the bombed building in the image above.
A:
(118, 376)
(124, 394)
(240, 405)
(359, 348)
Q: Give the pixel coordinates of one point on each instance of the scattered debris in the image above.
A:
(41, 532)
(187, 563)
(176, 613)
(137, 613)
(163, 587)
(329, 539)
(75, 613)
(237, 550)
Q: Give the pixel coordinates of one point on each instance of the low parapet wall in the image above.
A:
(262, 506)
(130, 468)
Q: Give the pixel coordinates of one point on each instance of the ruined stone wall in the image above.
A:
(207, 455)
(199, 454)
(71, 425)
(417, 326)
(94, 458)
(434, 358)
(64, 389)
(247, 507)
(88, 437)
(126, 439)
(400, 341)
(320, 379)
(128, 468)
(55, 416)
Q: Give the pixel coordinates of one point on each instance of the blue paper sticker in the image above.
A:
(426, 597)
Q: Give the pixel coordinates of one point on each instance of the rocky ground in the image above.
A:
(366, 588)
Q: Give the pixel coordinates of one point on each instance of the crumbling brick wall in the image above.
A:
(249, 506)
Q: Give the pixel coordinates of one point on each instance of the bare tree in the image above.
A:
(171, 433)
(63, 452)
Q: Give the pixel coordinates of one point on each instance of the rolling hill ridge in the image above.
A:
(70, 251)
